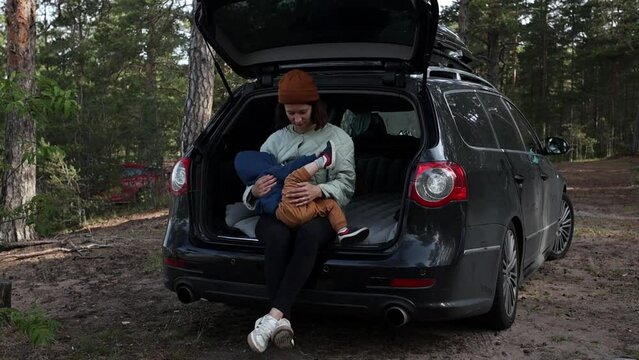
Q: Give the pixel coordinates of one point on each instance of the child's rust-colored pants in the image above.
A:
(294, 216)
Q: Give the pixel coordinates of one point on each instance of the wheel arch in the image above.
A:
(519, 232)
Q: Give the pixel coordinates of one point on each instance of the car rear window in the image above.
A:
(357, 123)
(270, 24)
(471, 119)
(401, 123)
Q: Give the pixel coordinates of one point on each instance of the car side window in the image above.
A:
(527, 133)
(471, 119)
(506, 130)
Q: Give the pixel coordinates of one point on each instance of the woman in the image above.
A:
(290, 254)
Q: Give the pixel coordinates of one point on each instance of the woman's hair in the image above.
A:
(319, 116)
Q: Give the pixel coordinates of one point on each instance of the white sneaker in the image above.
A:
(260, 336)
(283, 335)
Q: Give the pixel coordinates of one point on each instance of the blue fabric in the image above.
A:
(251, 165)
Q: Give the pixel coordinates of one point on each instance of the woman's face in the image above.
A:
(300, 116)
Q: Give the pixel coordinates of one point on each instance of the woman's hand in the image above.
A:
(303, 194)
(263, 185)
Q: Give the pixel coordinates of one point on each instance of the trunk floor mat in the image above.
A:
(378, 212)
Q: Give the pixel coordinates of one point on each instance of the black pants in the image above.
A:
(290, 256)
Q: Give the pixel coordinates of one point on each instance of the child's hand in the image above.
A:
(263, 185)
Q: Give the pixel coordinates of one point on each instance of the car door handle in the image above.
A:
(519, 178)
(544, 176)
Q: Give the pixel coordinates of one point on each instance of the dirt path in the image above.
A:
(110, 302)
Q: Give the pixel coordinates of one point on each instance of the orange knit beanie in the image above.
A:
(297, 87)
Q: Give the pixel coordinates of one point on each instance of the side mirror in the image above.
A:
(556, 146)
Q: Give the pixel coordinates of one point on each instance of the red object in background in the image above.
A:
(134, 178)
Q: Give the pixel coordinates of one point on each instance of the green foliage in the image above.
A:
(58, 204)
(48, 99)
(154, 263)
(113, 79)
(34, 323)
(583, 146)
(126, 60)
(111, 88)
(233, 79)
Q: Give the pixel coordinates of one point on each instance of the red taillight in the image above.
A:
(180, 177)
(178, 263)
(412, 283)
(438, 183)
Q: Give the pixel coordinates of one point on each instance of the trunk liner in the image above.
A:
(378, 212)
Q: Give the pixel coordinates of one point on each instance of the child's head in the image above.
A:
(251, 164)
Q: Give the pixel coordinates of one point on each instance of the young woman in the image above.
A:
(291, 254)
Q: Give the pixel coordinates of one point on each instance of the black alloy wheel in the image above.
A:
(502, 314)
(565, 229)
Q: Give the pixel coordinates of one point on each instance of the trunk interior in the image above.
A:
(387, 135)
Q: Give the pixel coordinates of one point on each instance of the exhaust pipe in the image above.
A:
(185, 294)
(397, 316)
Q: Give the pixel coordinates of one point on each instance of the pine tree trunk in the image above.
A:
(19, 180)
(199, 101)
(150, 152)
(462, 20)
(493, 49)
(493, 57)
(543, 69)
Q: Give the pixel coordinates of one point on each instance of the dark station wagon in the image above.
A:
(460, 197)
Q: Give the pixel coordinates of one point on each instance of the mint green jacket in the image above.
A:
(337, 183)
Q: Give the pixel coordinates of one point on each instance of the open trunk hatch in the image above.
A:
(254, 35)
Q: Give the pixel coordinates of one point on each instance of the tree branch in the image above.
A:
(78, 249)
(20, 245)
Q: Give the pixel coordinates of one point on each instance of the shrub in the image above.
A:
(34, 323)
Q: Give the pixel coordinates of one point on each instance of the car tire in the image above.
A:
(565, 229)
(502, 314)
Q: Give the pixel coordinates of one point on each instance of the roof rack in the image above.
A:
(456, 74)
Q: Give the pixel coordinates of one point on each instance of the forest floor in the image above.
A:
(110, 302)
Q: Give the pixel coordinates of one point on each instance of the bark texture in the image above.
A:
(19, 181)
(199, 101)
(493, 56)
(462, 20)
(492, 42)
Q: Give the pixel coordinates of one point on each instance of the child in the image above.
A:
(251, 165)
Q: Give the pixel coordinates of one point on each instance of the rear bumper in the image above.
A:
(465, 272)
(355, 286)
(351, 303)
